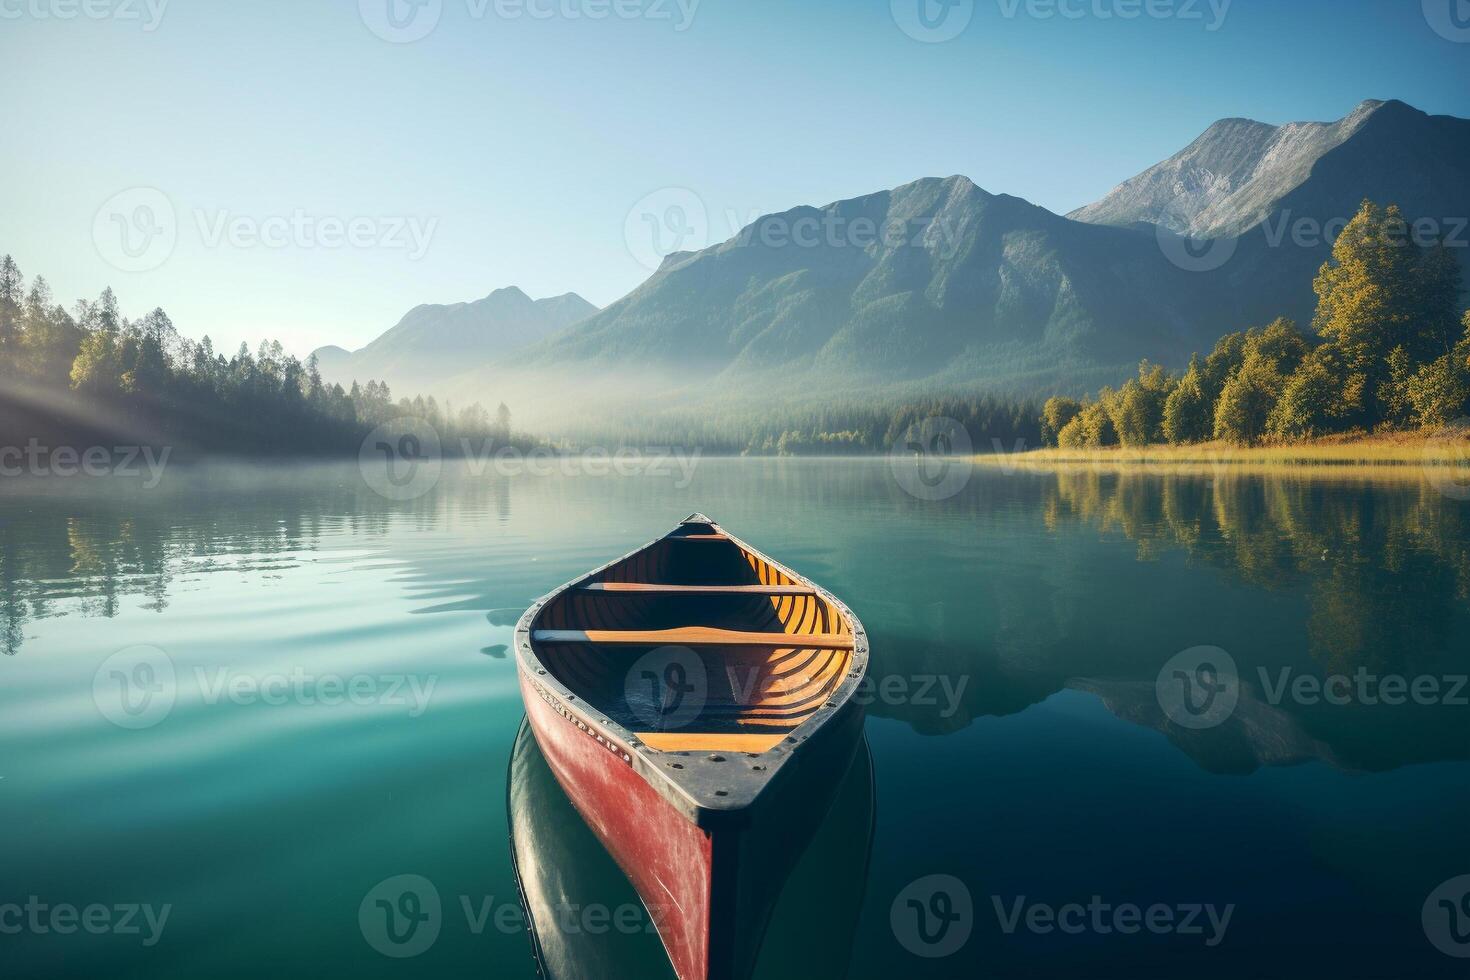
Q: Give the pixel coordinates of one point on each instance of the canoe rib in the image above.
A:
(656, 588)
(696, 636)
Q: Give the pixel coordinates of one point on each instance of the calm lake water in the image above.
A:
(342, 709)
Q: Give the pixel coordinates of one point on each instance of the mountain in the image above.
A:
(936, 282)
(1240, 172)
(939, 285)
(1228, 179)
(1272, 197)
(434, 342)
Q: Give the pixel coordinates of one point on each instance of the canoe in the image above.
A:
(694, 698)
(584, 918)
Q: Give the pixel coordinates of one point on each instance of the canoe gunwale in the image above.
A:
(693, 791)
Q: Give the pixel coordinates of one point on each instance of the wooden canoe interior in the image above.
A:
(772, 649)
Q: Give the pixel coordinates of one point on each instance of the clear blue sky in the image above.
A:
(527, 140)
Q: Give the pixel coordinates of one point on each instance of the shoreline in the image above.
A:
(1388, 450)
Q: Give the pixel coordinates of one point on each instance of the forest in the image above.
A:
(838, 428)
(1389, 350)
(92, 376)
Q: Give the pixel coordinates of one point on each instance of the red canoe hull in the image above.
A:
(709, 891)
(669, 860)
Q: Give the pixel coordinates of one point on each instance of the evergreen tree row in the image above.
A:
(92, 375)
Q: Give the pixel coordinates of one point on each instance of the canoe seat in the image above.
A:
(707, 742)
(655, 588)
(696, 636)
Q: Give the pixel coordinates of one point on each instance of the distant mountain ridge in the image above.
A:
(988, 291)
(1228, 179)
(985, 292)
(434, 342)
(975, 285)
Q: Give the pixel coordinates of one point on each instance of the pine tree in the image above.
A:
(12, 298)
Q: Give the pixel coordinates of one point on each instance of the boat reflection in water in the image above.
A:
(586, 920)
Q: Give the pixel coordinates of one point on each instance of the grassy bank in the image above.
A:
(1390, 449)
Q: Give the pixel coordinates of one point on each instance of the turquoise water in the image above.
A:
(342, 711)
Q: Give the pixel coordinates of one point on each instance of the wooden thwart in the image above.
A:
(695, 636)
(653, 588)
(707, 742)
